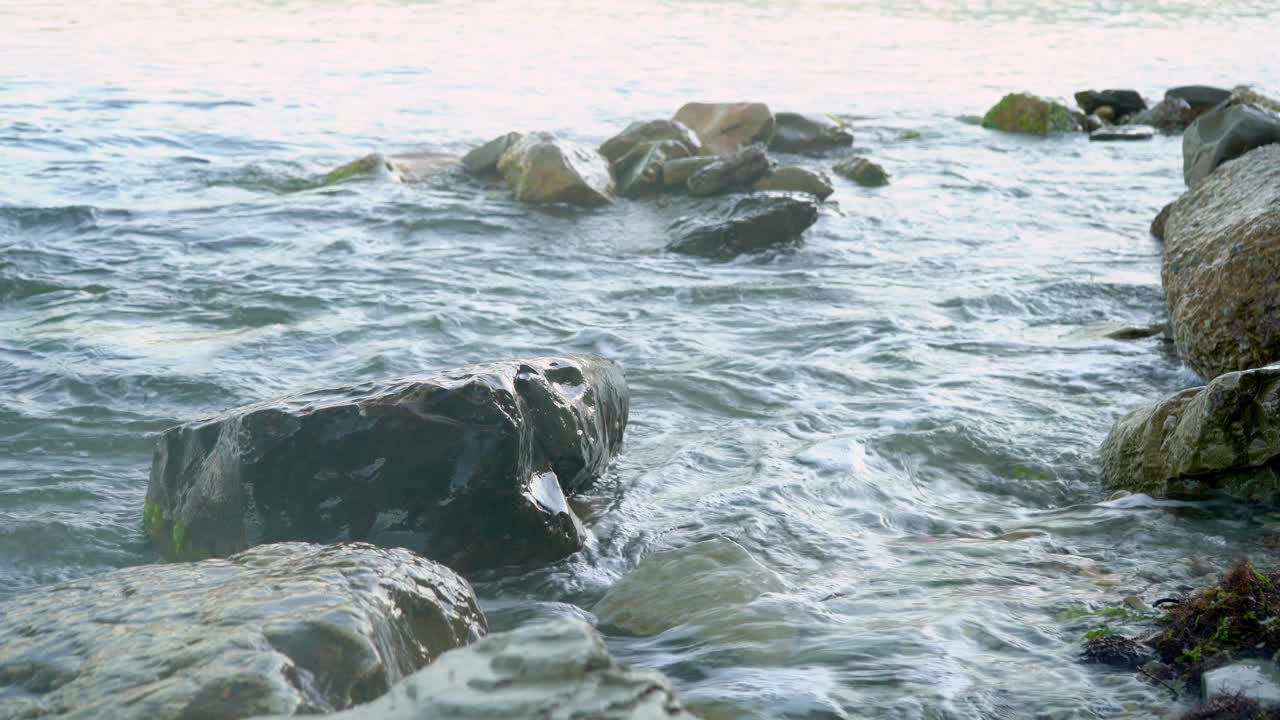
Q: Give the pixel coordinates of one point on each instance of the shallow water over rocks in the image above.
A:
(899, 417)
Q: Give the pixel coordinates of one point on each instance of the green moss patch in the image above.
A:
(1236, 618)
(1025, 113)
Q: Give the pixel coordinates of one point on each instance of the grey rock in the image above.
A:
(796, 179)
(800, 133)
(1158, 223)
(731, 173)
(749, 224)
(418, 166)
(676, 173)
(1220, 438)
(1257, 680)
(1224, 133)
(1124, 102)
(1169, 115)
(1137, 332)
(470, 467)
(862, 171)
(640, 171)
(644, 133)
(726, 128)
(552, 671)
(1120, 133)
(541, 168)
(289, 628)
(484, 159)
(1221, 266)
(1200, 97)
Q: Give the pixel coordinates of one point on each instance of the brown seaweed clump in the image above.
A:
(1232, 707)
(1114, 650)
(1237, 618)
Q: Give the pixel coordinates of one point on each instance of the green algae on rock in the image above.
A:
(1026, 113)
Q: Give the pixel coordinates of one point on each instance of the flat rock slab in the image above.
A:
(1221, 266)
(1122, 133)
(470, 467)
(552, 671)
(1221, 438)
(751, 224)
(288, 628)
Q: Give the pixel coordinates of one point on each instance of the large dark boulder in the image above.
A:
(800, 133)
(735, 172)
(1220, 438)
(470, 467)
(1221, 266)
(288, 628)
(749, 224)
(1223, 133)
(1201, 98)
(559, 670)
(1124, 102)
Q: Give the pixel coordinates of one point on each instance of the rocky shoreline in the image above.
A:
(317, 538)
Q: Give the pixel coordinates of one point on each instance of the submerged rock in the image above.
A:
(1124, 102)
(289, 628)
(800, 133)
(1221, 266)
(1223, 437)
(646, 133)
(484, 159)
(736, 171)
(1201, 98)
(796, 179)
(423, 165)
(1222, 134)
(1169, 115)
(640, 171)
(676, 173)
(1117, 133)
(862, 171)
(1024, 113)
(744, 225)
(375, 165)
(726, 128)
(553, 671)
(470, 467)
(1138, 332)
(713, 576)
(541, 168)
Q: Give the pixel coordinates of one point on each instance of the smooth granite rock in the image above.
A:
(1220, 438)
(541, 168)
(645, 133)
(470, 467)
(1224, 133)
(1221, 266)
(726, 128)
(801, 133)
(1200, 97)
(1028, 114)
(796, 179)
(862, 171)
(743, 225)
(288, 628)
(735, 172)
(484, 159)
(711, 576)
(640, 171)
(552, 671)
(1124, 102)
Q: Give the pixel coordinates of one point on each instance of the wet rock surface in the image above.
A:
(1199, 97)
(541, 168)
(805, 133)
(1169, 115)
(1028, 114)
(676, 173)
(796, 179)
(734, 172)
(1221, 266)
(645, 133)
(555, 671)
(1122, 133)
(1124, 102)
(483, 160)
(1222, 134)
(287, 628)
(1159, 221)
(1224, 437)
(862, 171)
(726, 128)
(745, 225)
(471, 466)
(640, 171)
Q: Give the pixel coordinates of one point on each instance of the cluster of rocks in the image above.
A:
(1221, 273)
(704, 150)
(1107, 115)
(325, 532)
